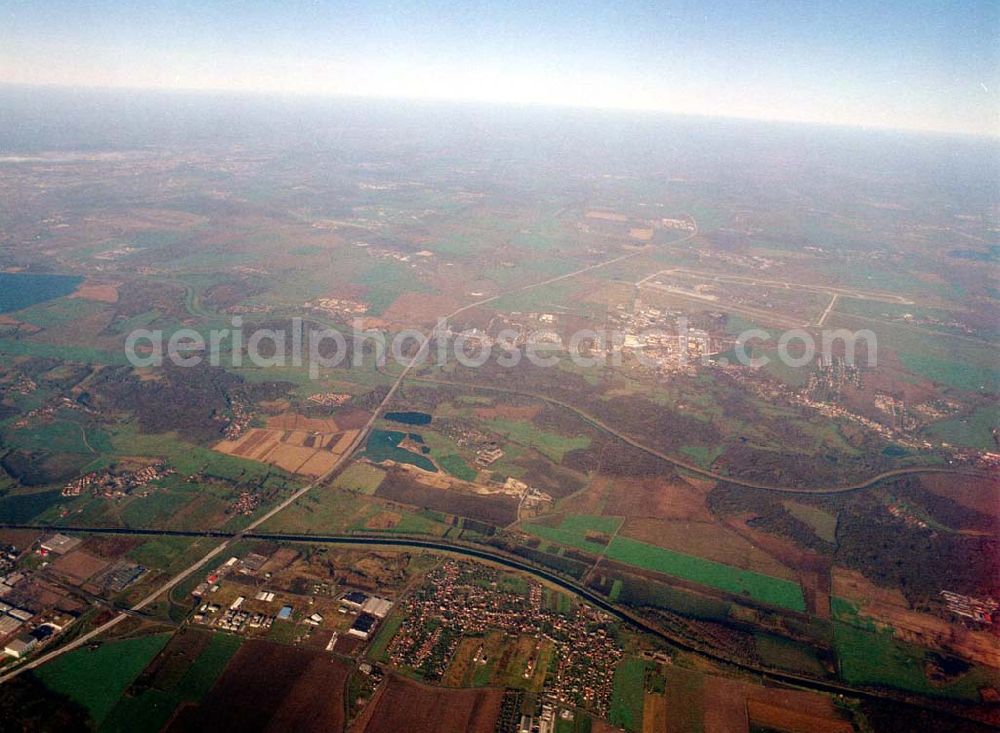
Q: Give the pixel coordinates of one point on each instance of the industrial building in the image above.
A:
(19, 647)
(363, 626)
(59, 544)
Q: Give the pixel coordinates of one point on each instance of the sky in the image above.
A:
(908, 64)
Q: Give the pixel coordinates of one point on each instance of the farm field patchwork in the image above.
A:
(184, 678)
(300, 451)
(594, 534)
(763, 588)
(272, 686)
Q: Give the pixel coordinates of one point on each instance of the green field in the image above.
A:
(822, 522)
(82, 354)
(616, 590)
(384, 636)
(96, 678)
(420, 522)
(973, 431)
(629, 692)
(580, 724)
(385, 281)
(150, 511)
(457, 467)
(188, 459)
(783, 653)
(952, 372)
(573, 529)
(169, 554)
(23, 507)
(151, 709)
(875, 658)
(361, 477)
(60, 436)
(763, 588)
(551, 445)
(702, 455)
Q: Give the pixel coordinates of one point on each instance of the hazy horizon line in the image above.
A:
(506, 104)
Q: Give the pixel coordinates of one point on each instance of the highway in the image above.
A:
(511, 562)
(414, 361)
(696, 469)
(481, 553)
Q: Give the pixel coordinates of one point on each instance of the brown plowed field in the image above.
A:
(708, 540)
(405, 705)
(403, 489)
(289, 457)
(318, 464)
(272, 687)
(343, 442)
(983, 495)
(78, 566)
(353, 419)
(656, 498)
(720, 705)
(294, 421)
(654, 713)
(110, 547)
(794, 711)
(101, 292)
(411, 309)
(854, 586)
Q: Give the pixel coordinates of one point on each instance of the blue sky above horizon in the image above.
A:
(913, 65)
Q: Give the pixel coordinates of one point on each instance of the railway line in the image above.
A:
(494, 556)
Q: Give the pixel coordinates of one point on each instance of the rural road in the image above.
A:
(482, 554)
(826, 313)
(694, 468)
(363, 434)
(344, 458)
(491, 555)
(114, 621)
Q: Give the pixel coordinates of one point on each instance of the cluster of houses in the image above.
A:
(488, 450)
(337, 307)
(240, 417)
(469, 600)
(245, 503)
(115, 484)
(49, 409)
(329, 399)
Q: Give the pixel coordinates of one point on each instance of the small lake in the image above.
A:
(409, 418)
(20, 289)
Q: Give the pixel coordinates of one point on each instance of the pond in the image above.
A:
(409, 418)
(20, 289)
